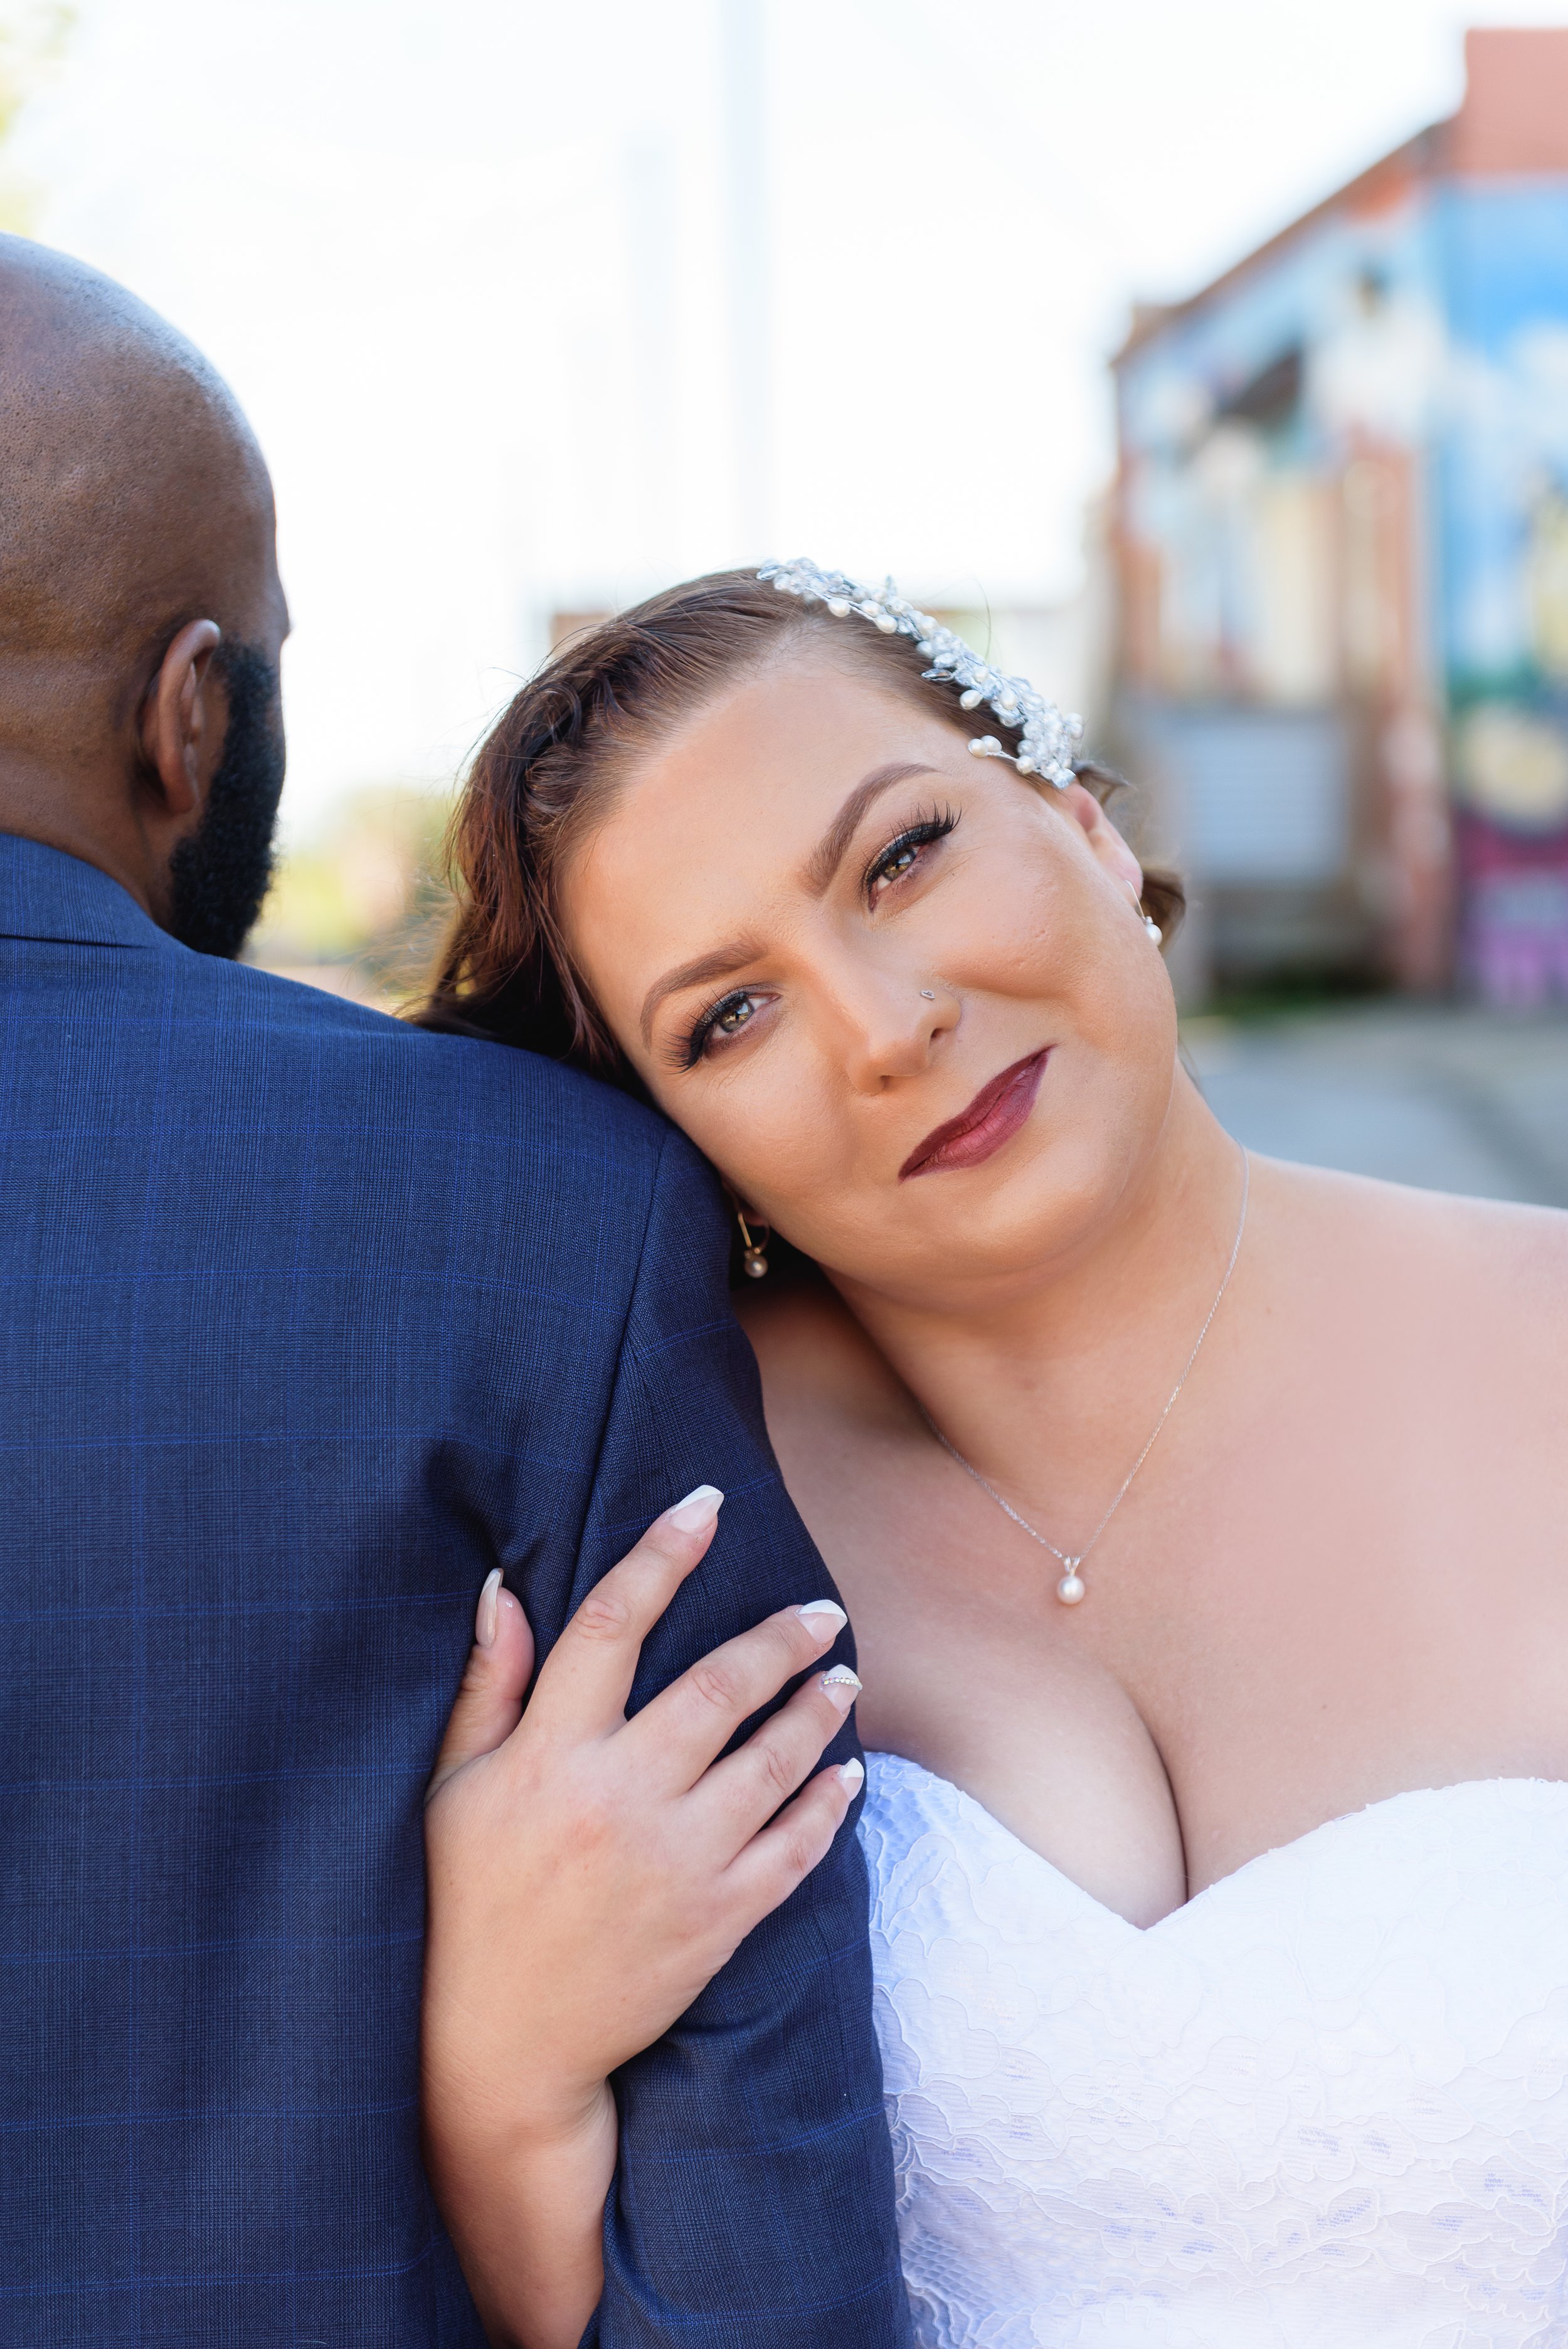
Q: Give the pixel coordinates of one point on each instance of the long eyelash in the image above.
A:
(921, 833)
(688, 1049)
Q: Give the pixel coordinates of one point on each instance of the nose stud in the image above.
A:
(929, 993)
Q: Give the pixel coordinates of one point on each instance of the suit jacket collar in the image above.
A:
(45, 894)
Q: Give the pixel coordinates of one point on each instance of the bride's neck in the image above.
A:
(1035, 1376)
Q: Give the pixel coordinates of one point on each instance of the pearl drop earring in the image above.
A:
(1155, 932)
(754, 1254)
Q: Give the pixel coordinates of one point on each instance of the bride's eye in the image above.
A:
(902, 854)
(729, 1017)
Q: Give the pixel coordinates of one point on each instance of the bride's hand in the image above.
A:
(588, 1877)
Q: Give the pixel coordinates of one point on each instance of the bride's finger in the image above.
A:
(741, 1793)
(688, 1725)
(587, 1676)
(490, 1701)
(774, 1862)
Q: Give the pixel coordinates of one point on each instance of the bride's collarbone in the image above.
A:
(971, 1668)
(1156, 1754)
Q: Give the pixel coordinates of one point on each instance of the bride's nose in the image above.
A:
(893, 1022)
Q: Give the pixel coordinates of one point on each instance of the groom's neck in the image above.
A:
(86, 806)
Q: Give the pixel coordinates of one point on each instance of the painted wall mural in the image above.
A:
(1344, 488)
(1503, 461)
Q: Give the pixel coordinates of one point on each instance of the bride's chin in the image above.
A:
(969, 1249)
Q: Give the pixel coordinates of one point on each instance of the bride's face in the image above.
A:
(900, 997)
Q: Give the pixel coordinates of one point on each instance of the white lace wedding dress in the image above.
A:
(1324, 2105)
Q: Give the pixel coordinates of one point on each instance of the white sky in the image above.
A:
(467, 263)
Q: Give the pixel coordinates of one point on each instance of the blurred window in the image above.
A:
(1264, 795)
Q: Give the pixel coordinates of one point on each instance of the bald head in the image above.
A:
(135, 491)
(136, 509)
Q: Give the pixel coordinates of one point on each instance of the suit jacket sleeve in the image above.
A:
(753, 2204)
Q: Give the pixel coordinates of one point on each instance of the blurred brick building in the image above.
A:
(1340, 541)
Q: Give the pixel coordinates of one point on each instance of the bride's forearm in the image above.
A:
(587, 1876)
(524, 2205)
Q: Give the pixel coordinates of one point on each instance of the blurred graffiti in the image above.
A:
(1342, 562)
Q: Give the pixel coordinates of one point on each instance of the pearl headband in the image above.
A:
(1047, 737)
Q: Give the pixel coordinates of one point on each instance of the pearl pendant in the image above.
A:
(1070, 1588)
(756, 1264)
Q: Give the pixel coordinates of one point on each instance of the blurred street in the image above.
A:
(1450, 1099)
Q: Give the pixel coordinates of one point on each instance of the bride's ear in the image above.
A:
(1106, 843)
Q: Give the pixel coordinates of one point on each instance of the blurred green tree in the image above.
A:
(33, 36)
(363, 898)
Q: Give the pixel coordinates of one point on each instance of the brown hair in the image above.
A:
(544, 775)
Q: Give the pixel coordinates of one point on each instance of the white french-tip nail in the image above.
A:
(843, 1685)
(823, 1615)
(850, 1773)
(697, 1511)
(489, 1610)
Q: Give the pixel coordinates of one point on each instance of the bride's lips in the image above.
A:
(992, 1118)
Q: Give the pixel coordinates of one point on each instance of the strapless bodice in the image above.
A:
(1325, 2104)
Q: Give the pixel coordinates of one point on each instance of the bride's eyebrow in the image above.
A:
(717, 963)
(821, 866)
(829, 854)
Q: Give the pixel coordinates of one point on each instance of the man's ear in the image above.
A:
(1106, 843)
(182, 719)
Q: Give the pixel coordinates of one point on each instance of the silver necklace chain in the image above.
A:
(1070, 1588)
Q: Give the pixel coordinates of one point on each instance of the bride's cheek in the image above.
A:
(1005, 940)
(771, 1137)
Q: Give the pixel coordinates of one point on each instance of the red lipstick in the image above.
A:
(992, 1118)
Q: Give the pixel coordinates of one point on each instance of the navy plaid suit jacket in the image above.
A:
(308, 1320)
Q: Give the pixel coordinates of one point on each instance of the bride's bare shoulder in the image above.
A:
(819, 1367)
(1487, 1252)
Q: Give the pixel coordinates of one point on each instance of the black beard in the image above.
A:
(219, 877)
